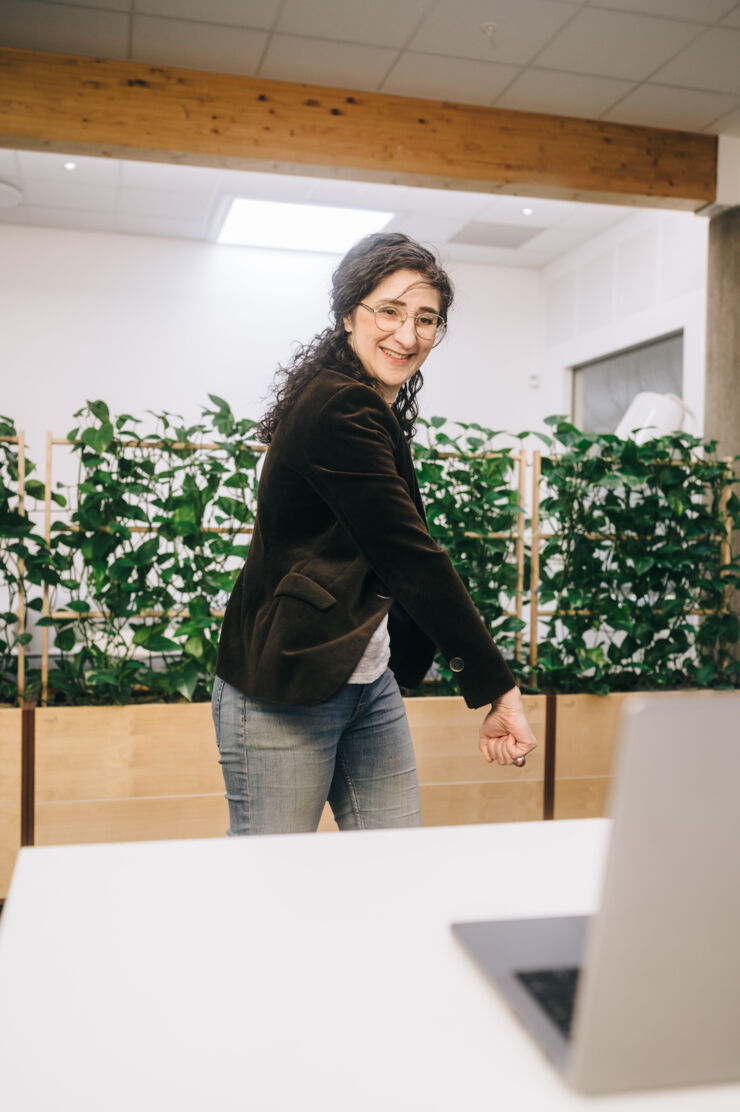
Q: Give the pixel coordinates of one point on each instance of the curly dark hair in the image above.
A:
(363, 267)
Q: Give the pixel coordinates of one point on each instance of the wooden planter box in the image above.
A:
(585, 741)
(585, 745)
(136, 773)
(147, 772)
(132, 773)
(10, 793)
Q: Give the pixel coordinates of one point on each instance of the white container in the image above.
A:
(653, 415)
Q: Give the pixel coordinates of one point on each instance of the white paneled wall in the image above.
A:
(643, 278)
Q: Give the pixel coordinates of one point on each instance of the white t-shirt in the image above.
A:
(374, 660)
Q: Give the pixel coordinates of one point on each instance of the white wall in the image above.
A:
(643, 278)
(153, 323)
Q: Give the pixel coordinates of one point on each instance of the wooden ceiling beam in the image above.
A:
(72, 104)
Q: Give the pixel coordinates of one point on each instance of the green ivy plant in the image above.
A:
(25, 563)
(158, 529)
(634, 567)
(469, 491)
(158, 525)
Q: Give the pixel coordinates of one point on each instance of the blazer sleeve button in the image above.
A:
(457, 664)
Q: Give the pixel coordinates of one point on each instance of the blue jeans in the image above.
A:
(282, 763)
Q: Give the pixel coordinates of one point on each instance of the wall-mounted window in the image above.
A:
(603, 388)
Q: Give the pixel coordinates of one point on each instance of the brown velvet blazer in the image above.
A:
(340, 539)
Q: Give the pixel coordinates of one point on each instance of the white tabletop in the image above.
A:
(286, 973)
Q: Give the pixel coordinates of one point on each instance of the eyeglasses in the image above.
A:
(429, 326)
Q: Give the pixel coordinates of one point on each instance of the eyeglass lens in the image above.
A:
(388, 317)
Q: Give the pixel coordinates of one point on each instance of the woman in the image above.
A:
(344, 594)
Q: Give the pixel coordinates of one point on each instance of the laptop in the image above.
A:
(646, 993)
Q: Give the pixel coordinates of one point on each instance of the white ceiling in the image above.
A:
(664, 63)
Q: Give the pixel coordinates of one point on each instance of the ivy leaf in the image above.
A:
(145, 554)
(511, 625)
(65, 639)
(100, 410)
(35, 489)
(78, 605)
(194, 647)
(157, 643)
(186, 679)
(98, 439)
(220, 402)
(184, 514)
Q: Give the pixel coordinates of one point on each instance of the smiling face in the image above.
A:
(391, 358)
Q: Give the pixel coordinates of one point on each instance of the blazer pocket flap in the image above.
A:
(295, 585)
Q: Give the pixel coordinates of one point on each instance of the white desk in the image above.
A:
(285, 973)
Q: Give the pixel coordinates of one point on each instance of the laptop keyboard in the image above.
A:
(555, 991)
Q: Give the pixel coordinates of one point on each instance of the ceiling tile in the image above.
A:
(32, 25)
(172, 42)
(557, 241)
(486, 234)
(335, 192)
(442, 78)
(455, 204)
(256, 13)
(616, 44)
(380, 196)
(317, 62)
(9, 170)
(48, 166)
(168, 175)
(522, 28)
(380, 23)
(663, 106)
(564, 94)
(712, 62)
(144, 225)
(160, 202)
(522, 257)
(727, 125)
(545, 213)
(594, 219)
(69, 195)
(431, 231)
(701, 11)
(267, 187)
(39, 216)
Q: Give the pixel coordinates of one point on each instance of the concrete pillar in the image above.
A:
(722, 392)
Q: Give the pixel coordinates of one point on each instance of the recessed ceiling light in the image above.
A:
(528, 212)
(297, 227)
(70, 165)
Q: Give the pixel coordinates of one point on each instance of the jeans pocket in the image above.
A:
(218, 690)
